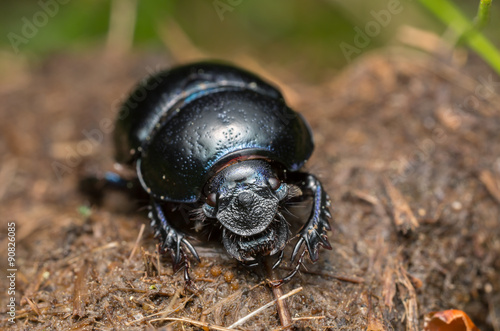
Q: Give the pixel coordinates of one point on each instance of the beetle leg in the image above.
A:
(278, 262)
(95, 186)
(313, 233)
(287, 278)
(187, 277)
(115, 180)
(171, 239)
(191, 248)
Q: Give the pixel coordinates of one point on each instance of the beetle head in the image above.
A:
(245, 198)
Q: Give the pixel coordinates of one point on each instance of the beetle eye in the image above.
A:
(274, 182)
(212, 199)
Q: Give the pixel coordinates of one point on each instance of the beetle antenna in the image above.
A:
(293, 192)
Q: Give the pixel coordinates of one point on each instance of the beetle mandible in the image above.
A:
(223, 142)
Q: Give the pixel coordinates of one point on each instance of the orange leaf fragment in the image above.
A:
(449, 320)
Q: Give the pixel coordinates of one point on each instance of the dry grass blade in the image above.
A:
(403, 217)
(169, 310)
(327, 274)
(7, 174)
(267, 305)
(227, 300)
(489, 180)
(389, 287)
(421, 39)
(365, 196)
(409, 298)
(222, 302)
(33, 306)
(35, 285)
(121, 26)
(80, 291)
(141, 231)
(190, 321)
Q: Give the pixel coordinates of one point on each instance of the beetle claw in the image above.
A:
(172, 240)
(296, 249)
(313, 233)
(312, 248)
(326, 244)
(288, 277)
(191, 249)
(278, 262)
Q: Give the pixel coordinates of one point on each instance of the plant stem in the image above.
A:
(483, 14)
(449, 14)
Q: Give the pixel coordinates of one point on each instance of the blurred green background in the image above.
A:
(305, 35)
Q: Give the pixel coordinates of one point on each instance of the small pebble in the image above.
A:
(488, 288)
(456, 205)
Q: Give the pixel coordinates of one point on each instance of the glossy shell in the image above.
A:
(194, 119)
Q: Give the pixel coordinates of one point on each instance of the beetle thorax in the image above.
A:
(248, 199)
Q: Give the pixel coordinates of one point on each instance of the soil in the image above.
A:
(408, 147)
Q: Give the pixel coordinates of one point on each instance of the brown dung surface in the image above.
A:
(407, 147)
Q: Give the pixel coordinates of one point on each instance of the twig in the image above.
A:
(282, 307)
(158, 262)
(304, 318)
(488, 179)
(80, 291)
(283, 310)
(267, 305)
(403, 216)
(141, 231)
(408, 297)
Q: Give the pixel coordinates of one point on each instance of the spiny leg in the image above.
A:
(313, 233)
(171, 240)
(278, 261)
(287, 278)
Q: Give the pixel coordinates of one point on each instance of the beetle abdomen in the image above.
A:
(156, 98)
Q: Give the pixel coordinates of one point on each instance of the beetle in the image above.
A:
(223, 142)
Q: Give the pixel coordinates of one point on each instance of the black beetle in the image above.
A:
(223, 142)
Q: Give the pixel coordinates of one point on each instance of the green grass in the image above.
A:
(467, 30)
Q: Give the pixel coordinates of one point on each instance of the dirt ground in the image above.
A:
(407, 146)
